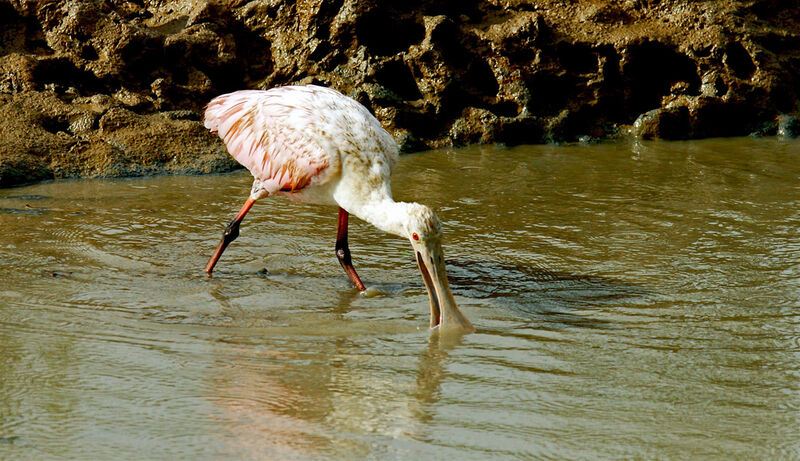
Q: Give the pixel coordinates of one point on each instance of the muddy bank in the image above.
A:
(108, 88)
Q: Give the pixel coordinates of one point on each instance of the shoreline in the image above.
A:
(108, 89)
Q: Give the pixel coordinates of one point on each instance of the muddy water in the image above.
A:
(632, 301)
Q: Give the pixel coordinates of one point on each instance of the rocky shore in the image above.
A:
(115, 88)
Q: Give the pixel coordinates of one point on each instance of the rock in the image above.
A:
(475, 126)
(17, 73)
(672, 123)
(32, 126)
(91, 87)
(715, 117)
(154, 143)
(135, 101)
(520, 130)
(788, 126)
(713, 85)
(17, 168)
(181, 115)
(407, 142)
(81, 124)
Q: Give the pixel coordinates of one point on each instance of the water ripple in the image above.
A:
(629, 304)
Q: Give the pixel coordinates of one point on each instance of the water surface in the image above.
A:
(631, 300)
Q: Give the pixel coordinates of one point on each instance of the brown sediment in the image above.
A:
(117, 88)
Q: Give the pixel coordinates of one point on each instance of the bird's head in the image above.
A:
(424, 231)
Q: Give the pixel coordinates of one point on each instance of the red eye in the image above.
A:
(415, 236)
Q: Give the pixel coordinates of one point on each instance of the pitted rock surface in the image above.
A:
(115, 88)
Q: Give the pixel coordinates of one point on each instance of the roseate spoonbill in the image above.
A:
(315, 145)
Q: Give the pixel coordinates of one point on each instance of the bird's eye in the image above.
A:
(415, 236)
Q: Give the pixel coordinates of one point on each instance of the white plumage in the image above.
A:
(316, 145)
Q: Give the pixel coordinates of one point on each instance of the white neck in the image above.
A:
(379, 209)
(387, 215)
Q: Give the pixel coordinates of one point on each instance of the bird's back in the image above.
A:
(298, 136)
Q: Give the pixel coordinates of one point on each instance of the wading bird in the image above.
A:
(315, 145)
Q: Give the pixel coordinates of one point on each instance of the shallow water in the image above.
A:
(631, 300)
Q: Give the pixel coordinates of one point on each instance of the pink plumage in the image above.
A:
(287, 137)
(318, 146)
(257, 129)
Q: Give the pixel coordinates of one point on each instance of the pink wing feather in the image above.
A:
(263, 131)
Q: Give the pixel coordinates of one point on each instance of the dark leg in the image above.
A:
(229, 235)
(343, 251)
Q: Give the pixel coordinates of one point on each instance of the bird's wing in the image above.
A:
(264, 132)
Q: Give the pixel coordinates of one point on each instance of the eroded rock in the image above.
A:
(114, 87)
(788, 126)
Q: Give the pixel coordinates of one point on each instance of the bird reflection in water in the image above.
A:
(287, 405)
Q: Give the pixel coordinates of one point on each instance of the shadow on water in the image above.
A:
(27, 211)
(556, 298)
(27, 197)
